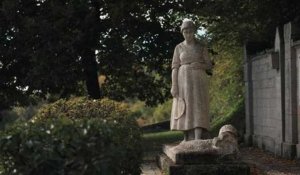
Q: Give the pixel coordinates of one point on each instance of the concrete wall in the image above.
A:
(266, 93)
(272, 81)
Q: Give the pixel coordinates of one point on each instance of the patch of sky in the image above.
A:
(201, 31)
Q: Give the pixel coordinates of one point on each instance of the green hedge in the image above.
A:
(62, 146)
(81, 107)
(63, 139)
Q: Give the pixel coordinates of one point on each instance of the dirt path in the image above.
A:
(263, 163)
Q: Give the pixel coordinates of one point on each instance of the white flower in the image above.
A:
(48, 132)
(52, 126)
(84, 131)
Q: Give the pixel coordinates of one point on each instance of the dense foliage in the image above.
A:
(76, 136)
(18, 113)
(83, 108)
(162, 112)
(60, 146)
(226, 85)
(56, 46)
(148, 115)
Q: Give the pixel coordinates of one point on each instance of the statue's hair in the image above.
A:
(187, 23)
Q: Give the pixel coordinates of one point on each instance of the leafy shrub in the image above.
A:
(140, 111)
(149, 115)
(19, 113)
(226, 85)
(7, 118)
(65, 146)
(81, 107)
(162, 112)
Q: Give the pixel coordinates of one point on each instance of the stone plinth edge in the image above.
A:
(219, 168)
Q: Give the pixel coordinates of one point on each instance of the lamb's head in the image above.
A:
(227, 131)
(226, 142)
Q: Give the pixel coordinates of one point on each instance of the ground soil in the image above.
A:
(264, 163)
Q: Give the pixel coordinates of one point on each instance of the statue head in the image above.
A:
(187, 24)
(188, 29)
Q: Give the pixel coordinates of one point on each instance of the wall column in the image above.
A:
(290, 122)
(296, 51)
(280, 90)
(248, 97)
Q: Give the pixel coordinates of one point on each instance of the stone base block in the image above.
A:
(211, 156)
(268, 144)
(289, 150)
(248, 139)
(208, 168)
(257, 141)
(298, 151)
(278, 149)
(209, 162)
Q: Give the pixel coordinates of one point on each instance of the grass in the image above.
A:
(164, 136)
(236, 118)
(154, 141)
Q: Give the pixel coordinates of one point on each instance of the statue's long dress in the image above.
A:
(190, 110)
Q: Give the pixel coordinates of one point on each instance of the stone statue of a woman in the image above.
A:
(190, 85)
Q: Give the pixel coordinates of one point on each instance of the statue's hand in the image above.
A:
(174, 91)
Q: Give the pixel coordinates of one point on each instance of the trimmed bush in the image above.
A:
(75, 136)
(162, 112)
(81, 107)
(9, 116)
(64, 146)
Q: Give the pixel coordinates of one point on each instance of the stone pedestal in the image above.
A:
(198, 163)
(248, 139)
(219, 155)
(289, 150)
(298, 151)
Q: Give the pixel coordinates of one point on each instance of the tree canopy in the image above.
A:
(56, 46)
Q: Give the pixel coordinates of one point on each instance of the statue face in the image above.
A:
(188, 34)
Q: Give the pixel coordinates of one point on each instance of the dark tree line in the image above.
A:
(56, 46)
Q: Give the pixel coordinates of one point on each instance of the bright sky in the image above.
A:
(201, 31)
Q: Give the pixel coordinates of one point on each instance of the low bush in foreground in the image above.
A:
(61, 145)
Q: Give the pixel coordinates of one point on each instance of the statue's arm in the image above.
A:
(174, 89)
(175, 67)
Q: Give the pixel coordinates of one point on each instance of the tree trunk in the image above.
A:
(88, 56)
(91, 73)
